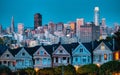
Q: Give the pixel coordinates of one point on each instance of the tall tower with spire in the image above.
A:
(12, 25)
(96, 16)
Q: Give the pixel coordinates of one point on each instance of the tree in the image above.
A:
(30, 71)
(46, 71)
(90, 69)
(4, 70)
(1, 41)
(109, 68)
(67, 70)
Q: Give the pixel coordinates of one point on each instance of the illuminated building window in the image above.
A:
(102, 47)
(117, 56)
(105, 56)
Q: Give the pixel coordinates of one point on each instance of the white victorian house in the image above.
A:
(61, 55)
(42, 57)
(81, 54)
(102, 53)
(8, 59)
(23, 59)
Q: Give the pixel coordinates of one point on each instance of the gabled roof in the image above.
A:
(31, 50)
(88, 46)
(48, 48)
(14, 51)
(68, 48)
(2, 49)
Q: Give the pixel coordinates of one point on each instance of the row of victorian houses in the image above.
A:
(77, 54)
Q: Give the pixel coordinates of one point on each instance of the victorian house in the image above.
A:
(61, 55)
(102, 53)
(42, 57)
(82, 54)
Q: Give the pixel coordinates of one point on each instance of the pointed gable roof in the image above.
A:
(49, 49)
(2, 49)
(32, 50)
(102, 43)
(14, 51)
(88, 46)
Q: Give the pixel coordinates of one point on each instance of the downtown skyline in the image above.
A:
(57, 11)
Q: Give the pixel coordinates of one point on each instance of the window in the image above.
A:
(41, 52)
(117, 56)
(4, 62)
(23, 54)
(61, 51)
(64, 58)
(7, 55)
(105, 56)
(68, 60)
(56, 60)
(81, 50)
(102, 47)
(84, 59)
(76, 59)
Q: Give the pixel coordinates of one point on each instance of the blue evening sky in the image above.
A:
(57, 11)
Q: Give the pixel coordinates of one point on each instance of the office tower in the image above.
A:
(79, 22)
(20, 28)
(96, 16)
(60, 27)
(12, 25)
(37, 20)
(103, 22)
(89, 32)
(73, 26)
(51, 27)
(103, 29)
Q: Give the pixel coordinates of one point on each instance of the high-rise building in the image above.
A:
(60, 27)
(89, 32)
(20, 28)
(12, 25)
(79, 22)
(51, 27)
(103, 29)
(37, 20)
(96, 16)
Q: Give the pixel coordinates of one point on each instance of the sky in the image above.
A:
(57, 11)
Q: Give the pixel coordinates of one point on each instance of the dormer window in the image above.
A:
(23, 54)
(81, 50)
(7, 55)
(61, 51)
(102, 47)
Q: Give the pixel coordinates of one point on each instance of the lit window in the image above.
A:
(105, 56)
(117, 56)
(102, 47)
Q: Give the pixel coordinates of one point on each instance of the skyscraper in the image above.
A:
(12, 25)
(96, 16)
(89, 32)
(79, 22)
(37, 20)
(20, 28)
